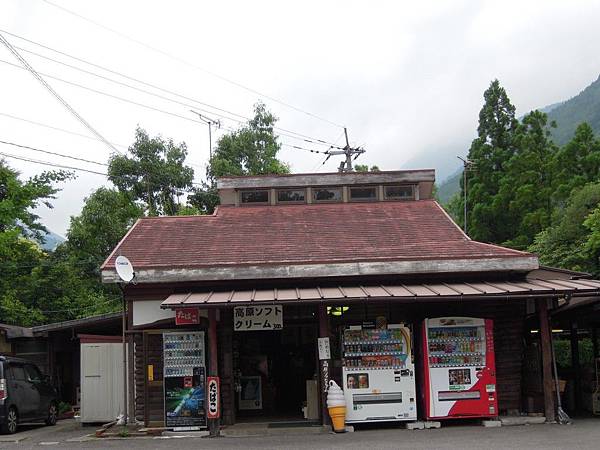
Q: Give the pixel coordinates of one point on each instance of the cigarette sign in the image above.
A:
(187, 316)
(213, 410)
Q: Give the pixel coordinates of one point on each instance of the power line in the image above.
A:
(53, 153)
(48, 163)
(62, 166)
(74, 133)
(69, 108)
(190, 64)
(283, 131)
(45, 125)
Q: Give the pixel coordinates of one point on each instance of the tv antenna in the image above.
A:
(348, 152)
(210, 122)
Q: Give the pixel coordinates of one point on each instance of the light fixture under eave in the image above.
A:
(337, 310)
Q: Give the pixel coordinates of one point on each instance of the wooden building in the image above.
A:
(330, 250)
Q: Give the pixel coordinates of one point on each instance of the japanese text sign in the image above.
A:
(212, 391)
(187, 316)
(255, 318)
(324, 350)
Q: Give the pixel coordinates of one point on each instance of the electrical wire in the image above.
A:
(53, 153)
(48, 163)
(74, 133)
(63, 166)
(55, 94)
(190, 64)
(283, 131)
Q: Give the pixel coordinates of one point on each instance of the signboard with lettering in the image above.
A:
(324, 350)
(256, 318)
(187, 316)
(213, 410)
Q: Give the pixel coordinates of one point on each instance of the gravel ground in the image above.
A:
(583, 434)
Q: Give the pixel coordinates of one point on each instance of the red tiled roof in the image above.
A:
(298, 234)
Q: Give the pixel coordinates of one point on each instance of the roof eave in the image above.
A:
(293, 271)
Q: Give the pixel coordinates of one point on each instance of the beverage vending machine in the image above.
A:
(184, 380)
(378, 374)
(459, 374)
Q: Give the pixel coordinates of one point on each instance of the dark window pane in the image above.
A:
(398, 192)
(290, 195)
(18, 373)
(255, 196)
(366, 193)
(327, 195)
(33, 373)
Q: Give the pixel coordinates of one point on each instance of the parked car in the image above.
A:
(25, 395)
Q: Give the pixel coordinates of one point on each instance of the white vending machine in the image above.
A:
(379, 375)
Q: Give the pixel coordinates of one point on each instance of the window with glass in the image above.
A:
(363, 193)
(254, 197)
(327, 194)
(33, 374)
(399, 192)
(291, 196)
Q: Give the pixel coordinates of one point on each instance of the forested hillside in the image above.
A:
(529, 193)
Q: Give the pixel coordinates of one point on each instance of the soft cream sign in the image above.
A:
(257, 318)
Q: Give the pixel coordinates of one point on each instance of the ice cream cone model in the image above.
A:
(336, 404)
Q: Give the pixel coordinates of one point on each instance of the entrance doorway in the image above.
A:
(271, 370)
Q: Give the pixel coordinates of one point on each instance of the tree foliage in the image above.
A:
(250, 150)
(154, 173)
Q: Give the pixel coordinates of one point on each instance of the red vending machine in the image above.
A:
(459, 370)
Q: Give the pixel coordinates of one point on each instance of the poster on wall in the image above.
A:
(184, 381)
(250, 395)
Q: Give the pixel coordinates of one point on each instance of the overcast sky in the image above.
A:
(406, 78)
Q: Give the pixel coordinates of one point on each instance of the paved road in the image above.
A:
(584, 434)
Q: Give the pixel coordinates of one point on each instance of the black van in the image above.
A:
(25, 395)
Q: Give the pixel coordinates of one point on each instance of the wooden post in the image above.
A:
(213, 366)
(546, 341)
(575, 365)
(595, 341)
(324, 365)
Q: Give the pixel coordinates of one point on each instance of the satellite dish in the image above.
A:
(124, 269)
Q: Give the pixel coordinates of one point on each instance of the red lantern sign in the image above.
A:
(212, 391)
(187, 316)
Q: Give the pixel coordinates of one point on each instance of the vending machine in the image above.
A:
(378, 374)
(184, 380)
(459, 374)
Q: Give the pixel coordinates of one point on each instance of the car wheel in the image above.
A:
(52, 414)
(10, 422)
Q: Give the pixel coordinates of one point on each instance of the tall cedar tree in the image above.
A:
(489, 152)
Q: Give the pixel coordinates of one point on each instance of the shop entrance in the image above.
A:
(272, 370)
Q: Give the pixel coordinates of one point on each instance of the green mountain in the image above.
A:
(584, 107)
(449, 187)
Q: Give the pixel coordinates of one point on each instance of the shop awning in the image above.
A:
(402, 292)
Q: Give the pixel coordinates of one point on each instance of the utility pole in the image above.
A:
(467, 165)
(210, 122)
(348, 152)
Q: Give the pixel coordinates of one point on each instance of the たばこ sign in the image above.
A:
(212, 390)
(254, 318)
(187, 316)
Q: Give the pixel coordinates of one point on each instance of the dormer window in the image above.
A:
(327, 194)
(406, 192)
(257, 197)
(286, 196)
(363, 193)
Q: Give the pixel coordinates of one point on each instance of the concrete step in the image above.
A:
(508, 421)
